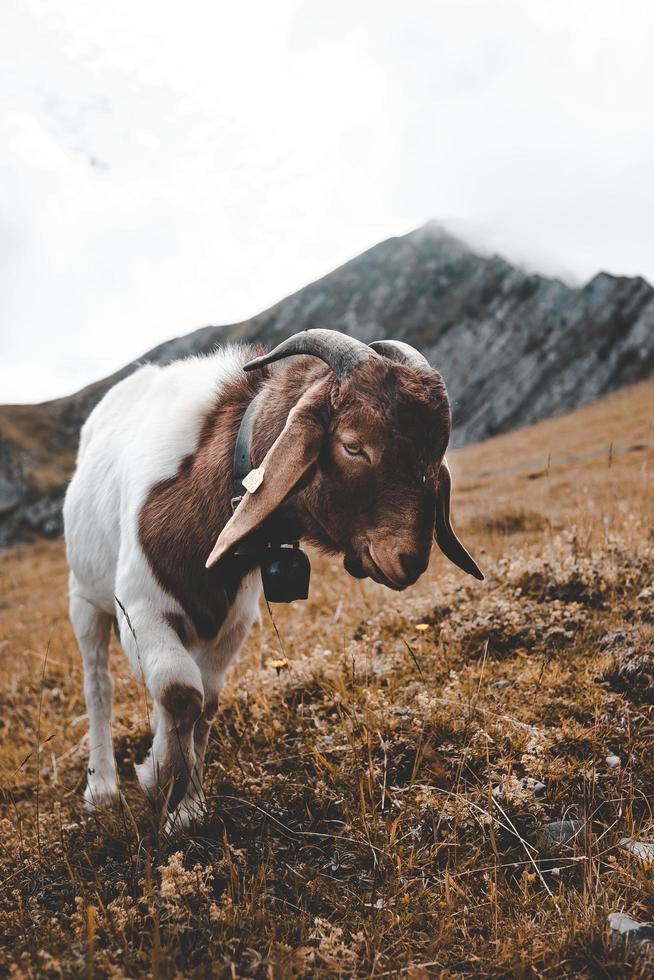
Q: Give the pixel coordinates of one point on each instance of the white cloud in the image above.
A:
(162, 167)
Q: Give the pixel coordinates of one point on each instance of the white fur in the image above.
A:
(136, 436)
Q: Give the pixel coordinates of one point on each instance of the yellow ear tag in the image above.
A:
(254, 479)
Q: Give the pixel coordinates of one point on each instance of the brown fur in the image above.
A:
(182, 516)
(184, 703)
(182, 627)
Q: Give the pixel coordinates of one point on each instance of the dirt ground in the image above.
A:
(381, 775)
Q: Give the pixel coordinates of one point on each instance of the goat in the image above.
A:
(351, 439)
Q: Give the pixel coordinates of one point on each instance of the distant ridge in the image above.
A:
(514, 347)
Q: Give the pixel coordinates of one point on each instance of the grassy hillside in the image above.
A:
(379, 804)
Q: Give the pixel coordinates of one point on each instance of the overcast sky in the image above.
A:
(164, 165)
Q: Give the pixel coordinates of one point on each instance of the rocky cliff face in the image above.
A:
(513, 347)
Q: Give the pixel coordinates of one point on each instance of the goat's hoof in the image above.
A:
(190, 812)
(101, 794)
(147, 776)
(155, 790)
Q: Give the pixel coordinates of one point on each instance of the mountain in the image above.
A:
(513, 346)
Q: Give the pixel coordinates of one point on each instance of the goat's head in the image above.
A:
(373, 434)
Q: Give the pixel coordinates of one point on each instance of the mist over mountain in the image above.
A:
(513, 347)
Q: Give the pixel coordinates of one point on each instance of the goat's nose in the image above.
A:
(412, 565)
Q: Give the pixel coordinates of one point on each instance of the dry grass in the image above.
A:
(373, 806)
(36, 429)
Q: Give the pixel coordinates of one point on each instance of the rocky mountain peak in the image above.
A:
(513, 346)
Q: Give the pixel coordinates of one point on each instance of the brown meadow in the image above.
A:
(383, 765)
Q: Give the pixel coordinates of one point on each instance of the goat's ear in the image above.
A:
(443, 532)
(290, 456)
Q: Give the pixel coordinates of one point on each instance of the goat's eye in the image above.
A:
(355, 449)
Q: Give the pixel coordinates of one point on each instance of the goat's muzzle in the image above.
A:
(395, 572)
(354, 566)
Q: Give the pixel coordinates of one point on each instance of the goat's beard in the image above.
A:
(354, 566)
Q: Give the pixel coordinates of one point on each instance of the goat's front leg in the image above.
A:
(213, 664)
(192, 807)
(168, 770)
(175, 683)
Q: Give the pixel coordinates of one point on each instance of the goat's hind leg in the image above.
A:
(92, 628)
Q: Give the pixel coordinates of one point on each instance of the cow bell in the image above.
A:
(285, 574)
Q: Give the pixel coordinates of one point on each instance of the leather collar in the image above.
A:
(242, 453)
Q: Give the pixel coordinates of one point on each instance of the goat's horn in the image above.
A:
(397, 350)
(340, 352)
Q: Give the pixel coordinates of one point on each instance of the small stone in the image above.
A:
(539, 789)
(631, 932)
(639, 848)
(613, 761)
(501, 685)
(561, 835)
(556, 638)
(614, 639)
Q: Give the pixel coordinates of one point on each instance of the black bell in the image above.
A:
(285, 574)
